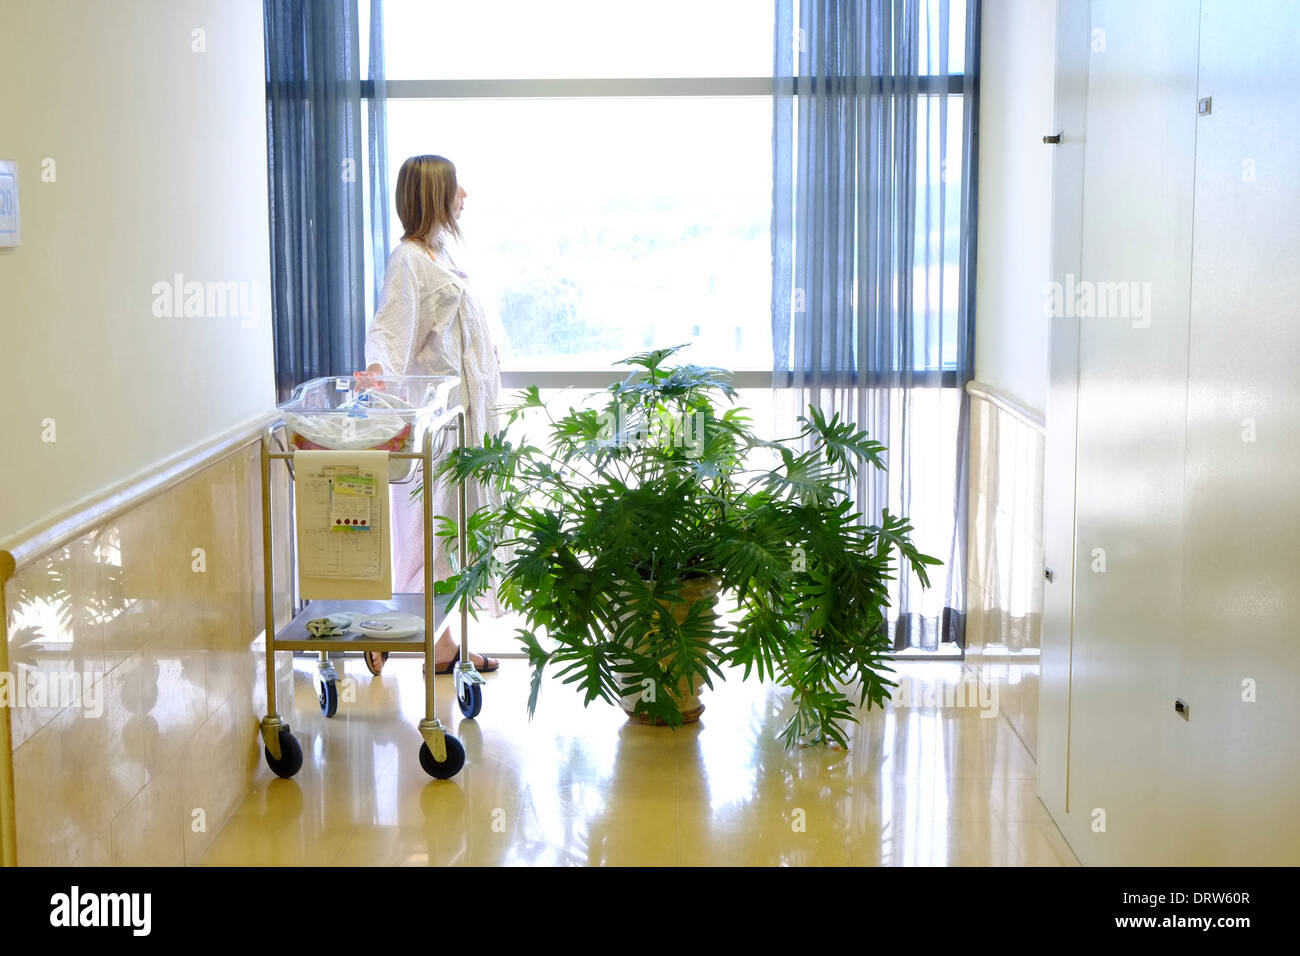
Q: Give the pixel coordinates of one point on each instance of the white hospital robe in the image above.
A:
(430, 323)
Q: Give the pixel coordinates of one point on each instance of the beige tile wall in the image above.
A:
(163, 645)
(1004, 588)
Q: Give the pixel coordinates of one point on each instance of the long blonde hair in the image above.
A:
(426, 193)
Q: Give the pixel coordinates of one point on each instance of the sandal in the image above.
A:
(489, 664)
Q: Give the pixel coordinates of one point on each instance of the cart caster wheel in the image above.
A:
(470, 700)
(328, 695)
(290, 761)
(449, 767)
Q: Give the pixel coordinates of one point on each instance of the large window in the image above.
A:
(618, 160)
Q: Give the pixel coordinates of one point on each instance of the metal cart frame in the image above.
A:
(442, 755)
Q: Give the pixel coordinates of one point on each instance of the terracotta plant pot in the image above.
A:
(686, 693)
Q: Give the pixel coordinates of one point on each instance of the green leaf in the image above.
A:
(653, 359)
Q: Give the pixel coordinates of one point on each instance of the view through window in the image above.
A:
(620, 214)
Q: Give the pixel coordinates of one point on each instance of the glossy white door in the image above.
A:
(1239, 750)
(1071, 94)
(1131, 303)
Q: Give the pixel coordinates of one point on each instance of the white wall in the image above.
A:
(159, 163)
(1015, 197)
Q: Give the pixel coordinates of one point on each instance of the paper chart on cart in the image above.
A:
(342, 523)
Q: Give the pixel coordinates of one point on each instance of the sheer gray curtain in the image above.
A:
(317, 156)
(873, 256)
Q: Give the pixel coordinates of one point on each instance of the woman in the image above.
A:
(429, 323)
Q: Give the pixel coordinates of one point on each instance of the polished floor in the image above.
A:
(928, 786)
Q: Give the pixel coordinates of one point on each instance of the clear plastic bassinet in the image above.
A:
(389, 413)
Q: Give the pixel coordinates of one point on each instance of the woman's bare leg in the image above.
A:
(447, 650)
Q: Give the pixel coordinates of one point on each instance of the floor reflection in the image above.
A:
(920, 785)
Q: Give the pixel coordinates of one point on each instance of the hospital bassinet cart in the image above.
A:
(418, 408)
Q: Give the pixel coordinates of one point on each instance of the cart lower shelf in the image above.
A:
(295, 637)
(283, 753)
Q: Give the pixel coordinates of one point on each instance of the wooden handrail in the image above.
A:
(1017, 409)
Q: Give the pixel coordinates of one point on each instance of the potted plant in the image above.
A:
(622, 533)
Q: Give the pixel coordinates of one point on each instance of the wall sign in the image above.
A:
(9, 231)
